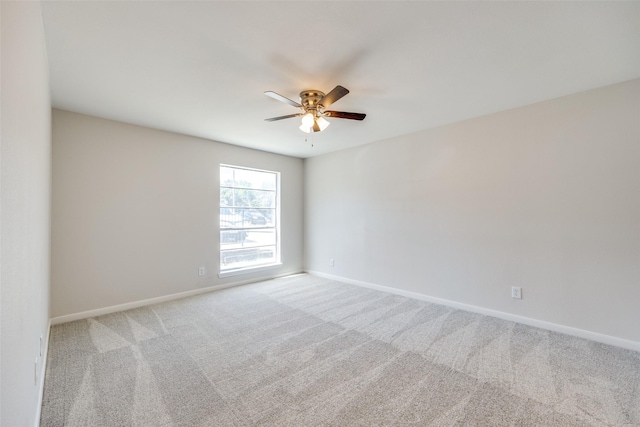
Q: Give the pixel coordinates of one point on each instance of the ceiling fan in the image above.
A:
(313, 104)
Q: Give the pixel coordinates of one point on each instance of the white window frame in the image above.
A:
(257, 267)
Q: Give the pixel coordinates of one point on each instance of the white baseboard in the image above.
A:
(581, 333)
(43, 371)
(568, 330)
(142, 303)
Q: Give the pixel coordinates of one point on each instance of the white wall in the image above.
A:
(25, 210)
(135, 209)
(546, 197)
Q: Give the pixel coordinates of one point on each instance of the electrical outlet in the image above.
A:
(516, 292)
(201, 271)
(331, 262)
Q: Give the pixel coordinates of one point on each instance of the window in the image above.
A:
(249, 218)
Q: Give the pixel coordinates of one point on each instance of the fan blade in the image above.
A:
(345, 115)
(281, 98)
(316, 126)
(273, 119)
(337, 93)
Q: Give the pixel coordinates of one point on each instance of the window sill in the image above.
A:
(248, 270)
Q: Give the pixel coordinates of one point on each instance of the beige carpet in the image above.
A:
(305, 351)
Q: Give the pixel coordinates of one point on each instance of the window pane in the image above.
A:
(238, 258)
(229, 219)
(269, 215)
(245, 198)
(226, 176)
(246, 238)
(260, 198)
(248, 218)
(254, 218)
(247, 178)
(232, 238)
(260, 237)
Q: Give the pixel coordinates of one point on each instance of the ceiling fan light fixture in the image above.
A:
(307, 120)
(305, 129)
(323, 123)
(313, 104)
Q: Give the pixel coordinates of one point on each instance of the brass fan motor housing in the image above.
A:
(310, 98)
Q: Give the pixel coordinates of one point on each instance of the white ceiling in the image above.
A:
(200, 68)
